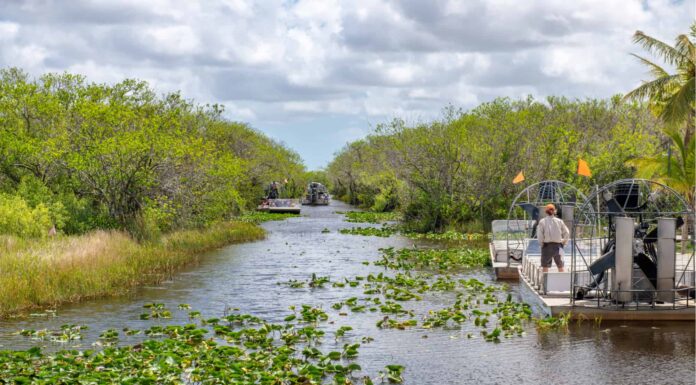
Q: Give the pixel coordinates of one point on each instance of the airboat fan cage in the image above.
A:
(647, 228)
(519, 230)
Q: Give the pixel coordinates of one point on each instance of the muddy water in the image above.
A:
(247, 276)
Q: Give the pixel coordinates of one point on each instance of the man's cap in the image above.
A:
(550, 206)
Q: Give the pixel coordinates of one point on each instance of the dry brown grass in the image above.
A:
(48, 272)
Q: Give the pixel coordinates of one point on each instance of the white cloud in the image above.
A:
(283, 62)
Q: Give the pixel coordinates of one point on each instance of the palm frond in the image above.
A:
(686, 47)
(679, 104)
(655, 69)
(677, 141)
(653, 87)
(659, 48)
(649, 167)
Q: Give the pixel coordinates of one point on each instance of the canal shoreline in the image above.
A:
(46, 273)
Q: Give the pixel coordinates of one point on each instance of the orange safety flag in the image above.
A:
(519, 178)
(584, 168)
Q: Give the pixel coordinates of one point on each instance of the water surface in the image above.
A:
(246, 277)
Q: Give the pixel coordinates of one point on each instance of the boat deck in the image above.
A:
(551, 291)
(589, 309)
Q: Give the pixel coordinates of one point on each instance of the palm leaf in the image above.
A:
(657, 47)
(680, 104)
(649, 167)
(653, 87)
(655, 69)
(686, 47)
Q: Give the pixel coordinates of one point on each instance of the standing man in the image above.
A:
(552, 234)
(273, 191)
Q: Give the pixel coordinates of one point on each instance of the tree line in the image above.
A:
(80, 155)
(457, 171)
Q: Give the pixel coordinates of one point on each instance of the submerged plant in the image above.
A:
(553, 323)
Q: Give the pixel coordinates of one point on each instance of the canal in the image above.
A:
(252, 277)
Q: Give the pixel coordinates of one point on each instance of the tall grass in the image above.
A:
(37, 273)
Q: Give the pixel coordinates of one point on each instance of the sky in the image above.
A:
(317, 74)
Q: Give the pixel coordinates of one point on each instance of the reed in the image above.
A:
(41, 273)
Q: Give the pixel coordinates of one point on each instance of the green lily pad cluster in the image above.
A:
(384, 231)
(371, 217)
(446, 260)
(236, 349)
(313, 282)
(421, 272)
(157, 310)
(65, 333)
(387, 230)
(262, 216)
(449, 235)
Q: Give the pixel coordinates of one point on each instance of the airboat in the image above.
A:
(273, 203)
(280, 206)
(630, 257)
(316, 195)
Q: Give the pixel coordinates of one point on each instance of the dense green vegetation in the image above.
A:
(133, 186)
(457, 172)
(82, 156)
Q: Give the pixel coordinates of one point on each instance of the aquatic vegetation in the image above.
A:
(311, 314)
(221, 350)
(553, 323)
(384, 231)
(65, 333)
(371, 217)
(157, 310)
(313, 282)
(290, 352)
(387, 230)
(394, 373)
(316, 282)
(108, 337)
(389, 323)
(342, 331)
(257, 217)
(433, 259)
(449, 235)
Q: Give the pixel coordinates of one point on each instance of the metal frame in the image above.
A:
(564, 194)
(655, 200)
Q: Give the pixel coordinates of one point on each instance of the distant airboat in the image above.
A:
(273, 203)
(316, 195)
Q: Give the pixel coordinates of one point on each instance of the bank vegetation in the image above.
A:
(107, 186)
